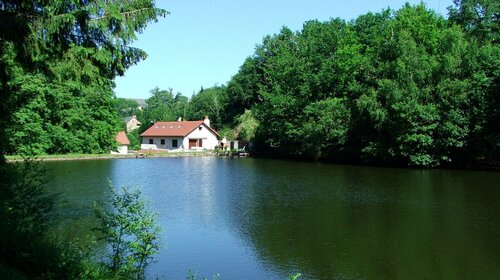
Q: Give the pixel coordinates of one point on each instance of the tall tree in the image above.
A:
(480, 18)
(163, 105)
(74, 48)
(211, 102)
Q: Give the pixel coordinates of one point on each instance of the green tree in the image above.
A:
(325, 130)
(210, 102)
(402, 87)
(129, 227)
(479, 18)
(69, 50)
(243, 88)
(163, 105)
(126, 107)
(246, 126)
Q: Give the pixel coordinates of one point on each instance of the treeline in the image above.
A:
(165, 105)
(405, 87)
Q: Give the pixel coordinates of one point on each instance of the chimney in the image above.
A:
(134, 117)
(206, 121)
(179, 119)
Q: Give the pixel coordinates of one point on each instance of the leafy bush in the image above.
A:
(129, 227)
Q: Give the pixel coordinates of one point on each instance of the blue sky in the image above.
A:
(203, 43)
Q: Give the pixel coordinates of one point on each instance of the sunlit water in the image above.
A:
(264, 219)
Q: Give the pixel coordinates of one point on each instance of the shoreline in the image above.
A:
(156, 154)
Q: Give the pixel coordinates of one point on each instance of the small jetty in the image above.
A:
(234, 148)
(140, 155)
(232, 153)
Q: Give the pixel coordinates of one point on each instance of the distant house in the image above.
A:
(132, 123)
(123, 143)
(180, 136)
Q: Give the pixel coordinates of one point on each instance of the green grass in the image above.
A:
(108, 156)
(69, 156)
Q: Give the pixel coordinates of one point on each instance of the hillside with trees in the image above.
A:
(402, 87)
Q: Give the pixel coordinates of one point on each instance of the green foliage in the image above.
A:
(325, 128)
(129, 227)
(209, 102)
(135, 140)
(57, 65)
(243, 88)
(26, 211)
(227, 132)
(126, 107)
(163, 105)
(295, 276)
(246, 126)
(403, 87)
(479, 18)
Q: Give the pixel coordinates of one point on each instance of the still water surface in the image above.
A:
(264, 219)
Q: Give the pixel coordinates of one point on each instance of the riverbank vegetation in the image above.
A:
(404, 87)
(58, 60)
(29, 251)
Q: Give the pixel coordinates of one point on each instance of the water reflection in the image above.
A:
(263, 219)
(78, 184)
(352, 222)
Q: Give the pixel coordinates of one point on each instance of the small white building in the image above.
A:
(180, 136)
(123, 143)
(132, 123)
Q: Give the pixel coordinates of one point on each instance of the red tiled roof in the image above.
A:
(122, 138)
(179, 128)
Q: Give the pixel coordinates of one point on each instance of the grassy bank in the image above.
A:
(150, 153)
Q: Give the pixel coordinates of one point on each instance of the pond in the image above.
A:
(264, 219)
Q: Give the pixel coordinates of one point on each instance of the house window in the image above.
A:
(151, 141)
(174, 143)
(162, 141)
(199, 128)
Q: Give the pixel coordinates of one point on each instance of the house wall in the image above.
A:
(122, 149)
(132, 124)
(209, 140)
(157, 143)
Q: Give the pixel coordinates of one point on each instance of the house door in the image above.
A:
(195, 143)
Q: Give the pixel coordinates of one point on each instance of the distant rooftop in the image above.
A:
(141, 102)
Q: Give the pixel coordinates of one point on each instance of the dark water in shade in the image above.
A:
(264, 219)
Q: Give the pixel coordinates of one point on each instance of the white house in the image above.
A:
(123, 143)
(180, 136)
